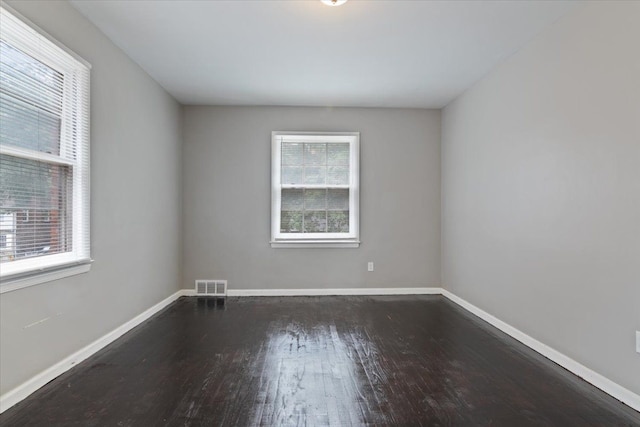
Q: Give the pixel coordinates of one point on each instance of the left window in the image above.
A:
(44, 155)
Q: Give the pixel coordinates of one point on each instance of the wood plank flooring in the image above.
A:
(296, 361)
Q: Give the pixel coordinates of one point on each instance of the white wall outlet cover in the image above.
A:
(370, 266)
(638, 341)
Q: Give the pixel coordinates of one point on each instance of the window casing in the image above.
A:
(315, 189)
(44, 154)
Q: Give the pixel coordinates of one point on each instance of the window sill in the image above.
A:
(36, 278)
(325, 244)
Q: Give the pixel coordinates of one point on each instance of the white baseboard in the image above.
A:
(327, 292)
(617, 391)
(19, 393)
(335, 291)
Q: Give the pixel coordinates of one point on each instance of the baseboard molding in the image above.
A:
(19, 393)
(617, 391)
(334, 291)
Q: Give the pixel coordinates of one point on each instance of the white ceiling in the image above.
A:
(364, 53)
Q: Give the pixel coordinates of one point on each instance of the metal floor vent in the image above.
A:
(211, 288)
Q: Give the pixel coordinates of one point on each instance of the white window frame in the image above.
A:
(32, 271)
(315, 240)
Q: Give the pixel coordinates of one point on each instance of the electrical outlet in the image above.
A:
(370, 266)
(638, 341)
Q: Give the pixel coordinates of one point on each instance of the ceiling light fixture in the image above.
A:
(333, 2)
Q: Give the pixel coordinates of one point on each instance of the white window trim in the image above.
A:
(34, 271)
(316, 240)
(44, 276)
(44, 34)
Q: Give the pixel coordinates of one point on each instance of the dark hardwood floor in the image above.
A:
(411, 360)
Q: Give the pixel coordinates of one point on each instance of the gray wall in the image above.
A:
(227, 164)
(541, 190)
(135, 210)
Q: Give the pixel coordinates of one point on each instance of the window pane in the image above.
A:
(315, 200)
(33, 207)
(292, 200)
(31, 102)
(315, 153)
(26, 126)
(338, 221)
(315, 175)
(291, 222)
(315, 211)
(338, 199)
(291, 175)
(338, 154)
(291, 153)
(315, 221)
(338, 175)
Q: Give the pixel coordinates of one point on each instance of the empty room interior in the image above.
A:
(319, 212)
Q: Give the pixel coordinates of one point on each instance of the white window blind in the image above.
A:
(315, 189)
(44, 152)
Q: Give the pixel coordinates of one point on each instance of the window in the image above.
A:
(44, 153)
(315, 193)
